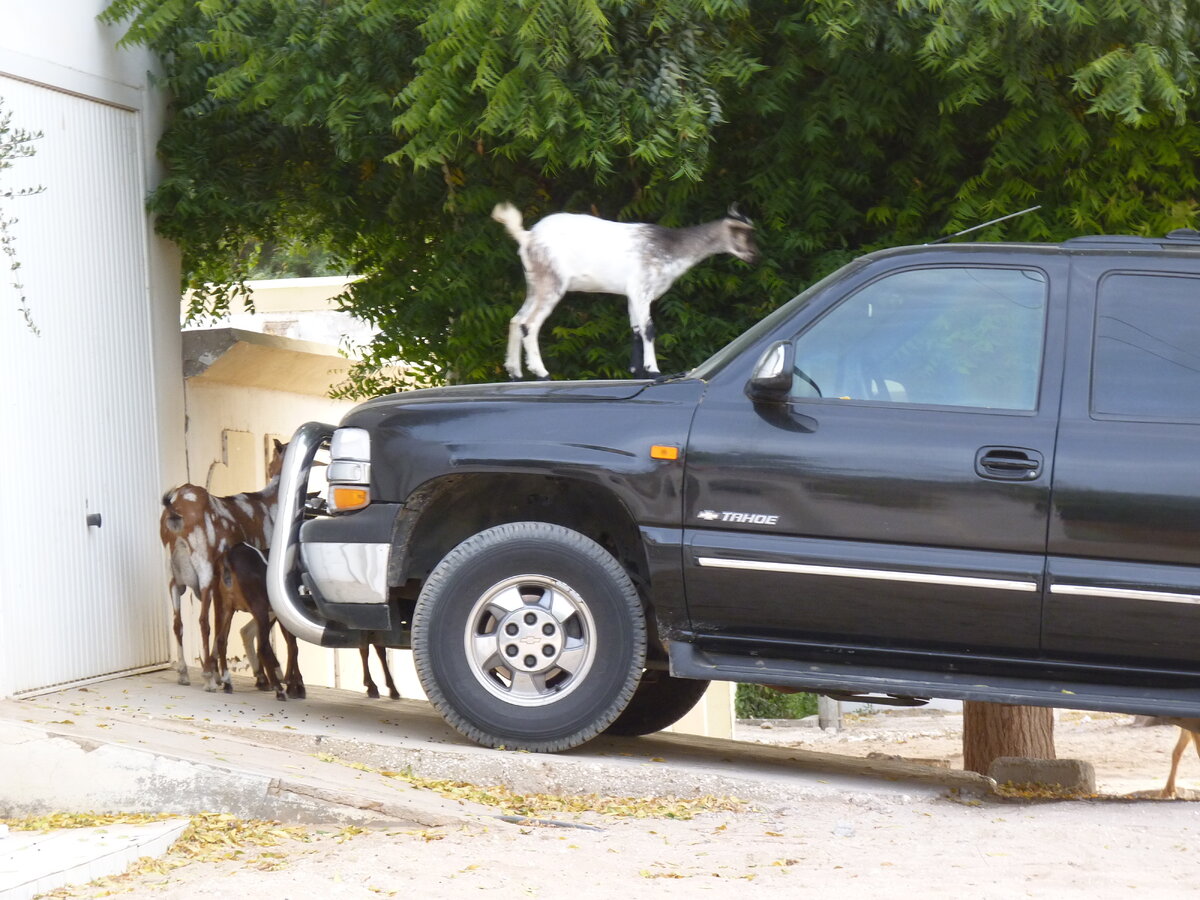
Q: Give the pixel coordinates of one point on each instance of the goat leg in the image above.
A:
(266, 654)
(643, 363)
(512, 359)
(251, 641)
(637, 365)
(224, 618)
(545, 290)
(177, 604)
(208, 663)
(295, 682)
(364, 651)
(1185, 737)
(395, 694)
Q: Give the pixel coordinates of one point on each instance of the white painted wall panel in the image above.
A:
(77, 403)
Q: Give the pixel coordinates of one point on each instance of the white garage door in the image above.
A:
(77, 601)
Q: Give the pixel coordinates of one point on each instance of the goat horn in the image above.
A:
(735, 213)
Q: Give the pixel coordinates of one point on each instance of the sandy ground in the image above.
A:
(1113, 847)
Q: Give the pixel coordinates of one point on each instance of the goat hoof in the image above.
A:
(227, 688)
(395, 695)
(183, 679)
(373, 693)
(262, 684)
(280, 695)
(545, 377)
(296, 692)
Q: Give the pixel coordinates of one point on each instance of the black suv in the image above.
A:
(959, 470)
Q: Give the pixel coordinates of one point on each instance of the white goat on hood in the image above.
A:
(566, 252)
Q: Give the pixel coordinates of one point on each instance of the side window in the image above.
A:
(1146, 360)
(954, 336)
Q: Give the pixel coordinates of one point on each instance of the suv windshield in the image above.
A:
(769, 323)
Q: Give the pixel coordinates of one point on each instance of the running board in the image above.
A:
(690, 661)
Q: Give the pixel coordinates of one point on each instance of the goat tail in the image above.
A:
(510, 217)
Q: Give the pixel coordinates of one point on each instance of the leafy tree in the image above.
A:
(383, 132)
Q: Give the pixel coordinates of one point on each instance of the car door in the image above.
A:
(1124, 540)
(899, 498)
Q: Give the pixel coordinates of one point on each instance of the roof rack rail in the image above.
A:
(1106, 240)
(1187, 235)
(1178, 236)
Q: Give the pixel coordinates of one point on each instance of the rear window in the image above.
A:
(1146, 358)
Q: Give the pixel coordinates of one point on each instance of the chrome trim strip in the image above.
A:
(1083, 590)
(875, 574)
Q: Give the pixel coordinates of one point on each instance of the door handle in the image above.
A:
(1008, 463)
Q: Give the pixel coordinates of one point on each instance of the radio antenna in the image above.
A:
(948, 237)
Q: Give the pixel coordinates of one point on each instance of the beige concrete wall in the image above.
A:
(713, 716)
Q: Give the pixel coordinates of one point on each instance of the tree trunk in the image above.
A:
(992, 730)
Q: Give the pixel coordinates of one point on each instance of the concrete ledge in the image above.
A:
(250, 359)
(61, 771)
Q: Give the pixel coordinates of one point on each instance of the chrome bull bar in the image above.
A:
(283, 578)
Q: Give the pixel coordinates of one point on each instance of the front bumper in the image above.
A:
(346, 556)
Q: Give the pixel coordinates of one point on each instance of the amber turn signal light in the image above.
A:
(347, 498)
(663, 451)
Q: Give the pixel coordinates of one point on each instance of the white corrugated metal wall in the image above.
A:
(77, 402)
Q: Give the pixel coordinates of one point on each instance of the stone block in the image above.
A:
(1075, 775)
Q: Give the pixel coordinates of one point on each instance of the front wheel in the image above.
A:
(529, 636)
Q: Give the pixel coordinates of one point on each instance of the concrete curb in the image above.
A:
(63, 771)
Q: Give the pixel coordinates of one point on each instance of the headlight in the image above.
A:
(349, 472)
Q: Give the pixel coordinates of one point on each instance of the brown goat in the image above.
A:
(198, 529)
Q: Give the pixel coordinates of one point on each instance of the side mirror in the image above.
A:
(771, 381)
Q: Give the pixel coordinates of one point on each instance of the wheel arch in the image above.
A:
(443, 512)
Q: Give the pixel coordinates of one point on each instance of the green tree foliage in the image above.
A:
(383, 132)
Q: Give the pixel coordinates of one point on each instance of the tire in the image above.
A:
(529, 636)
(659, 702)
